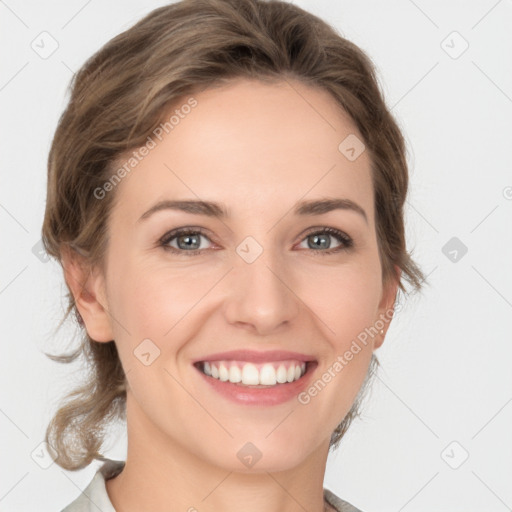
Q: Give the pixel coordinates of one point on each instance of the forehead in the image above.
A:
(253, 146)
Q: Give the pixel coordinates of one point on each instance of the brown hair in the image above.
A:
(121, 94)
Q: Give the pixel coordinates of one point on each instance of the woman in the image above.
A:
(225, 196)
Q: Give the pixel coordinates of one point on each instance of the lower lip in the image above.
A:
(247, 395)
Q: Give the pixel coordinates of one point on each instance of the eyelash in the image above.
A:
(344, 239)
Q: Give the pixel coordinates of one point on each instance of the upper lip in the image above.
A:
(256, 356)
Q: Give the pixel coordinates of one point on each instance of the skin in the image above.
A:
(258, 149)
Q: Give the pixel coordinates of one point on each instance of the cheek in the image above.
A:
(345, 304)
(345, 299)
(157, 302)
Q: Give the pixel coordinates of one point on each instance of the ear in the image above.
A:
(386, 305)
(88, 288)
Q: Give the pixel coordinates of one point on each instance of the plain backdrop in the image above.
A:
(436, 429)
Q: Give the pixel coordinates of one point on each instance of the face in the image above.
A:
(286, 286)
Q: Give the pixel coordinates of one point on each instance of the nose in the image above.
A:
(261, 296)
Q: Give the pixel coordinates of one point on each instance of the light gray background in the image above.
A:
(446, 361)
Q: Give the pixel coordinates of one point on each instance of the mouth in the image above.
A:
(256, 379)
(256, 375)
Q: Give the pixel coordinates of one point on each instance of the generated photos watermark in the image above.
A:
(151, 142)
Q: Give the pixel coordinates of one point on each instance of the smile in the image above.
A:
(256, 384)
(254, 374)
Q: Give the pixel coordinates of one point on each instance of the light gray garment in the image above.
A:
(94, 498)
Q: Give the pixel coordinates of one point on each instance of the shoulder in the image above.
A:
(337, 503)
(94, 497)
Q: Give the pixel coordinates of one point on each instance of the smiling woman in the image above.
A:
(233, 286)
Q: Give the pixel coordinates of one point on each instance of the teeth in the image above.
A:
(268, 375)
(235, 375)
(223, 373)
(249, 374)
(281, 374)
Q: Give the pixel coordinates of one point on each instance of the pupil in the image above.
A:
(188, 238)
(323, 240)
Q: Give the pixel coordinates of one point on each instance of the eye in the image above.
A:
(188, 240)
(320, 239)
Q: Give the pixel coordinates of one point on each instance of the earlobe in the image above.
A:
(88, 289)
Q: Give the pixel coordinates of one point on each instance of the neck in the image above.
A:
(161, 474)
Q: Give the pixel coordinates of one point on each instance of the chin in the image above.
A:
(257, 454)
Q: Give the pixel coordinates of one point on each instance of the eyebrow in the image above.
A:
(212, 209)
